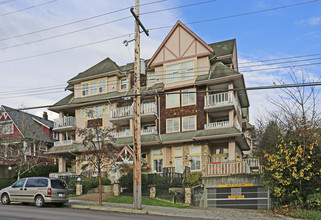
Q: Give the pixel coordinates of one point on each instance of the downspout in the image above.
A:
(158, 115)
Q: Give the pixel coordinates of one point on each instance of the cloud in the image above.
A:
(314, 21)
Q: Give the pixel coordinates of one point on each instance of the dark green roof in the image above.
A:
(66, 100)
(219, 70)
(223, 48)
(105, 66)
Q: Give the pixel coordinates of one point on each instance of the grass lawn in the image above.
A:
(300, 213)
(145, 201)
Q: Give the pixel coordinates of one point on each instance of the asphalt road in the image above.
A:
(30, 212)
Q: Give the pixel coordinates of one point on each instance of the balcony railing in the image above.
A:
(121, 112)
(252, 162)
(63, 143)
(219, 99)
(148, 108)
(121, 134)
(227, 168)
(148, 131)
(221, 124)
(65, 122)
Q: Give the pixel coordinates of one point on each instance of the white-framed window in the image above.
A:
(99, 111)
(90, 112)
(172, 100)
(195, 162)
(102, 86)
(151, 78)
(181, 71)
(123, 84)
(85, 89)
(172, 73)
(106, 109)
(83, 112)
(158, 165)
(189, 97)
(172, 125)
(178, 151)
(6, 128)
(189, 123)
(187, 70)
(157, 153)
(93, 88)
(195, 150)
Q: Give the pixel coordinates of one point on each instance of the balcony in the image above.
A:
(148, 131)
(222, 124)
(148, 112)
(121, 134)
(219, 101)
(63, 143)
(227, 168)
(65, 123)
(120, 115)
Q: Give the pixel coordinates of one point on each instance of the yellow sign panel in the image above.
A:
(236, 185)
(236, 197)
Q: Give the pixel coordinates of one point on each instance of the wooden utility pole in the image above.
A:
(137, 125)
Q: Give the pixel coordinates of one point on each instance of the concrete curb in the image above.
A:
(109, 209)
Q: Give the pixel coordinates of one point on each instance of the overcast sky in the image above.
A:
(270, 34)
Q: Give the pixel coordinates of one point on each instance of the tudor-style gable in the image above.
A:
(181, 43)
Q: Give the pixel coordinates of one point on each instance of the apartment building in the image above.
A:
(192, 114)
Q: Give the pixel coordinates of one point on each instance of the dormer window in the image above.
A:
(93, 88)
(123, 84)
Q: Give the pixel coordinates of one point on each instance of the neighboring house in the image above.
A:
(194, 125)
(23, 133)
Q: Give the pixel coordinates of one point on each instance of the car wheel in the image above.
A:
(39, 201)
(59, 204)
(5, 199)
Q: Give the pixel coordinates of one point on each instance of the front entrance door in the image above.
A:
(178, 164)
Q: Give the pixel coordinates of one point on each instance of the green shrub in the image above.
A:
(314, 201)
(87, 184)
(6, 182)
(126, 181)
(193, 179)
(41, 170)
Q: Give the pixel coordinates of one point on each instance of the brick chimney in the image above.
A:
(45, 115)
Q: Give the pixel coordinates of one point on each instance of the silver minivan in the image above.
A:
(38, 190)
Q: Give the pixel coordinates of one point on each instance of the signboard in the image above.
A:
(236, 185)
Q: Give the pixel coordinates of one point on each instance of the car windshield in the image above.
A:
(58, 184)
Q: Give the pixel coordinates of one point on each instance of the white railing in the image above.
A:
(63, 143)
(221, 124)
(120, 112)
(228, 168)
(218, 99)
(252, 162)
(148, 131)
(147, 108)
(65, 122)
(121, 134)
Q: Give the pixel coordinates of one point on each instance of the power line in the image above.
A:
(78, 21)
(62, 50)
(8, 94)
(293, 61)
(282, 86)
(239, 15)
(207, 20)
(282, 58)
(282, 67)
(99, 25)
(23, 9)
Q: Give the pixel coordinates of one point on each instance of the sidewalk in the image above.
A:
(197, 213)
